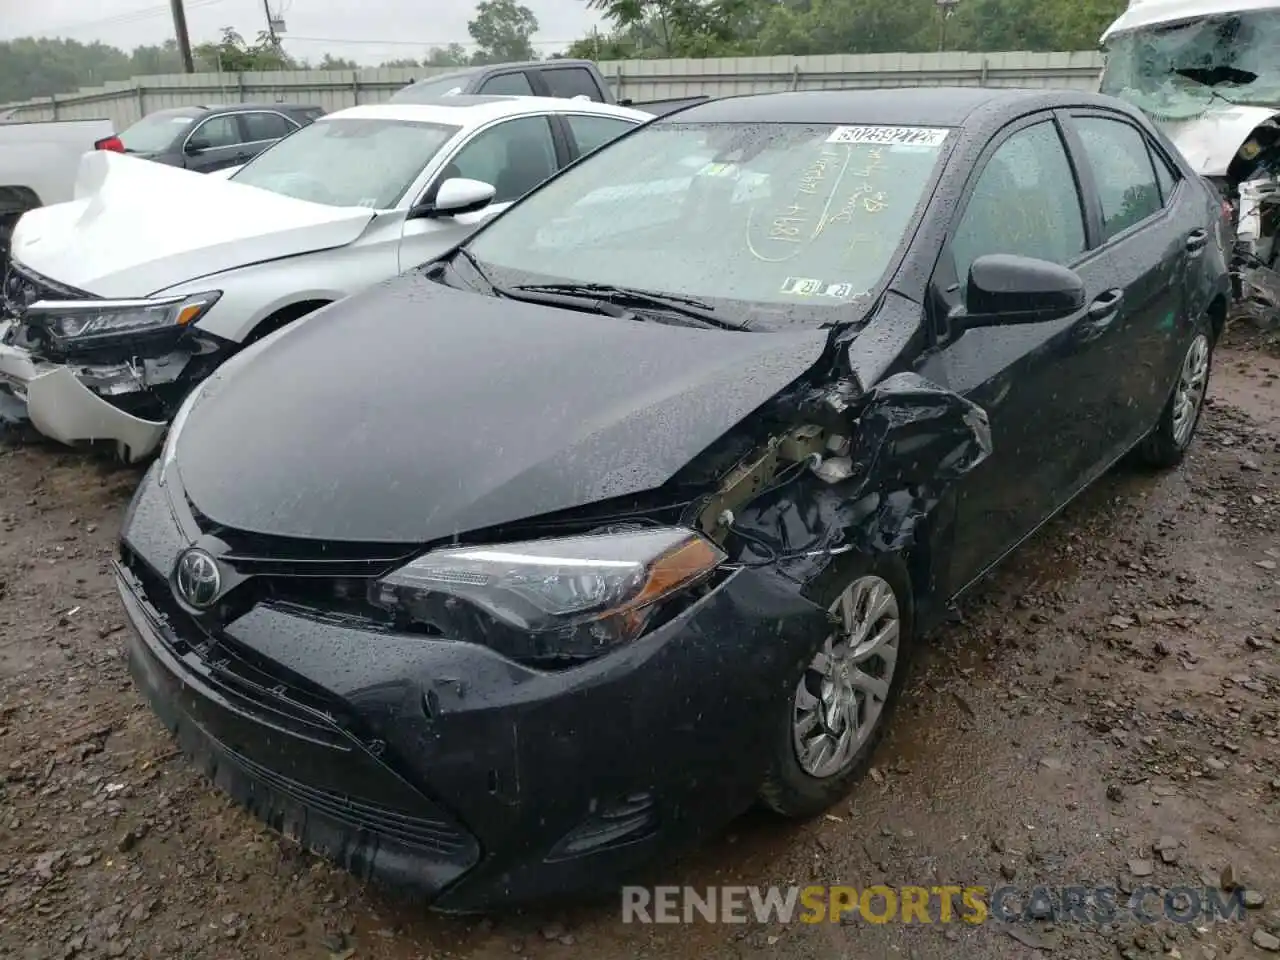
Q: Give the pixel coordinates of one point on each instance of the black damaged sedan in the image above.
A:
(560, 551)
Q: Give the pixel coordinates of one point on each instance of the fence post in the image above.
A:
(982, 77)
(53, 101)
(795, 77)
(142, 100)
(620, 85)
(355, 87)
(240, 86)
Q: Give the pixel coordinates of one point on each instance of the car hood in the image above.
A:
(1211, 140)
(136, 227)
(412, 412)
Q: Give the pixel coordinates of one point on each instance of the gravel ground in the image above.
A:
(1105, 710)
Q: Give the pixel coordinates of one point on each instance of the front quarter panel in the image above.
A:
(252, 294)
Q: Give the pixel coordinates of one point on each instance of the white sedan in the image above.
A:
(118, 302)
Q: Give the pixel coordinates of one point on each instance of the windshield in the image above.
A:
(791, 218)
(1178, 71)
(427, 90)
(347, 162)
(157, 131)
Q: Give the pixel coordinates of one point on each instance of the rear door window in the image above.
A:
(266, 126)
(1121, 164)
(570, 82)
(591, 133)
(507, 85)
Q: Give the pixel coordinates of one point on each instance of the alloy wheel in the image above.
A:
(840, 698)
(1188, 397)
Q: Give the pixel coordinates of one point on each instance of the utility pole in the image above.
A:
(184, 39)
(945, 9)
(271, 24)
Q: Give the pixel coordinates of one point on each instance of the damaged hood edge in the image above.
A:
(137, 227)
(563, 409)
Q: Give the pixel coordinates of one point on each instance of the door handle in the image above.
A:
(1100, 315)
(1103, 309)
(1196, 240)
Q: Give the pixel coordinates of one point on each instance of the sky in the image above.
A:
(368, 31)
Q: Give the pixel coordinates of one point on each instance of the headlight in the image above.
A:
(569, 597)
(88, 321)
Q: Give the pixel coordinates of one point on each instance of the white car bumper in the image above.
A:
(64, 409)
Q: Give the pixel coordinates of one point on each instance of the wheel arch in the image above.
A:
(283, 317)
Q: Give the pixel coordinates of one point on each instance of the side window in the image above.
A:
(507, 85)
(1166, 176)
(1121, 164)
(265, 126)
(593, 132)
(514, 156)
(1025, 202)
(221, 131)
(570, 82)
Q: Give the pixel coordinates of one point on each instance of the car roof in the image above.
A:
(232, 107)
(491, 67)
(900, 106)
(474, 110)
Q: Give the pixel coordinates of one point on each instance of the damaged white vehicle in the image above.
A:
(1208, 72)
(117, 303)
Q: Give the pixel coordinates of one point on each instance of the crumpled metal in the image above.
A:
(911, 441)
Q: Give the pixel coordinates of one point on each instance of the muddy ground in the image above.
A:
(1105, 711)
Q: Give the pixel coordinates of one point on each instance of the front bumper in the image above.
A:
(439, 766)
(62, 408)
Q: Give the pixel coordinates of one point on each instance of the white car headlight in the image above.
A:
(92, 322)
(567, 597)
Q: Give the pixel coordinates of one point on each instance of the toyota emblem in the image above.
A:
(197, 578)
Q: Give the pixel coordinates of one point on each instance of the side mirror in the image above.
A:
(456, 195)
(1007, 289)
(196, 145)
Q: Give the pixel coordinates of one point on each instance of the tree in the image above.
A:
(330, 62)
(454, 55)
(502, 29)
(234, 55)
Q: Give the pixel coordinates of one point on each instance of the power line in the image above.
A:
(127, 17)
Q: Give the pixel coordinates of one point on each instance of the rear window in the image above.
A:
(157, 131)
(425, 91)
(570, 82)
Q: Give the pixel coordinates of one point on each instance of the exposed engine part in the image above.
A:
(115, 379)
(758, 471)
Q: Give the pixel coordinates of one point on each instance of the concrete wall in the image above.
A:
(124, 102)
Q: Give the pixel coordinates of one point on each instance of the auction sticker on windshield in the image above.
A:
(890, 136)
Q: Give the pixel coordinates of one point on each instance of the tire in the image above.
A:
(1167, 443)
(791, 788)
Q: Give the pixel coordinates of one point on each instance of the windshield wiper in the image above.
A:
(672, 303)
(551, 296)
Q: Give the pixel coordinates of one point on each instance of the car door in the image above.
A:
(1023, 198)
(1145, 248)
(514, 156)
(215, 143)
(590, 132)
(261, 129)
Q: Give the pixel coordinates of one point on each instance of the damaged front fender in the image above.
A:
(907, 442)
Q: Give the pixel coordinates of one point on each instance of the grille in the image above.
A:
(237, 673)
(431, 834)
(253, 554)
